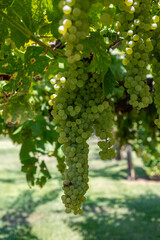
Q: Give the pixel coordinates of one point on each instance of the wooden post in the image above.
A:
(119, 157)
(131, 171)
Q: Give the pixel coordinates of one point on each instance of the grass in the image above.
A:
(115, 209)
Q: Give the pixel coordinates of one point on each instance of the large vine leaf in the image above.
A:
(54, 15)
(19, 81)
(3, 29)
(35, 60)
(38, 142)
(17, 110)
(101, 58)
(4, 3)
(59, 64)
(95, 14)
(24, 18)
(21, 11)
(117, 68)
(109, 83)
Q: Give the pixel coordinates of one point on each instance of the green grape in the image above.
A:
(78, 107)
(74, 142)
(137, 46)
(155, 67)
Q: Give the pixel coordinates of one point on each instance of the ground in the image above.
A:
(116, 209)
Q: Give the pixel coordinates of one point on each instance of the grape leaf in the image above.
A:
(109, 82)
(59, 64)
(94, 15)
(54, 15)
(11, 64)
(3, 30)
(101, 59)
(4, 3)
(21, 11)
(19, 81)
(35, 60)
(117, 67)
(17, 110)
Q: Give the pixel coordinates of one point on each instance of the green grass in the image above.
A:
(115, 209)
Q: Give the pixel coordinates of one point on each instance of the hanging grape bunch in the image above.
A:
(78, 107)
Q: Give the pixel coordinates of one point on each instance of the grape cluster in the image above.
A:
(76, 112)
(74, 27)
(135, 25)
(156, 67)
(78, 107)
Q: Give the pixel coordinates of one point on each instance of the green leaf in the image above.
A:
(54, 15)
(59, 64)
(35, 60)
(21, 11)
(17, 110)
(27, 148)
(101, 58)
(117, 67)
(5, 3)
(95, 14)
(38, 13)
(45, 28)
(10, 65)
(19, 81)
(3, 30)
(18, 38)
(109, 82)
(44, 170)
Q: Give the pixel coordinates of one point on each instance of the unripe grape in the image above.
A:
(155, 19)
(79, 47)
(78, 23)
(135, 37)
(76, 12)
(72, 37)
(53, 81)
(132, 10)
(67, 23)
(125, 61)
(70, 2)
(130, 33)
(67, 9)
(50, 102)
(129, 50)
(62, 30)
(153, 26)
(128, 2)
(53, 96)
(73, 30)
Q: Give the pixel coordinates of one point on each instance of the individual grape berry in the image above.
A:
(67, 23)
(62, 30)
(67, 9)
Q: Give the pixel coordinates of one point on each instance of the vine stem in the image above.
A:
(28, 34)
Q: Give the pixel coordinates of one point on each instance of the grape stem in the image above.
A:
(115, 44)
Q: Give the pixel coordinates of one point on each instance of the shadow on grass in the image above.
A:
(141, 173)
(8, 180)
(120, 219)
(117, 174)
(14, 224)
(109, 173)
